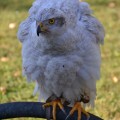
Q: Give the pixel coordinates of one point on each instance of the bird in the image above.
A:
(61, 52)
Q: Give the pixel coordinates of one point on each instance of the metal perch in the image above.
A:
(35, 110)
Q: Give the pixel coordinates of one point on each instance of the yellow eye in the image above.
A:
(51, 21)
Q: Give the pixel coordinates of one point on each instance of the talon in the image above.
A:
(67, 116)
(77, 107)
(64, 111)
(54, 104)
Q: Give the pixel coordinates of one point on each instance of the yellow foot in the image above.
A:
(54, 104)
(77, 107)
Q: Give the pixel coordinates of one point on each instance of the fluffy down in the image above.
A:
(69, 64)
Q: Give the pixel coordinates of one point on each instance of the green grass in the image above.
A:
(13, 87)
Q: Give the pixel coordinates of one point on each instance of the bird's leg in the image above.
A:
(54, 103)
(77, 107)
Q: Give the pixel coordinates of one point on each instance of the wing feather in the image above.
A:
(90, 23)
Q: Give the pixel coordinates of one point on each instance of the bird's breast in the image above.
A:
(62, 70)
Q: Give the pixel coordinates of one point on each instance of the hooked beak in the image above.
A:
(38, 30)
(41, 28)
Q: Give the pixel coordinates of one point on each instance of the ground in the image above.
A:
(13, 87)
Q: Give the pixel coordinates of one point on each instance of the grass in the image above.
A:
(13, 87)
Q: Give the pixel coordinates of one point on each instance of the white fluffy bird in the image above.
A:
(61, 52)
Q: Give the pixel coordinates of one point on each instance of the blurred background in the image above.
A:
(13, 87)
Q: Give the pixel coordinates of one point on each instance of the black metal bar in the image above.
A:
(35, 110)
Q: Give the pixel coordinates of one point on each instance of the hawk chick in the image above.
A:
(61, 49)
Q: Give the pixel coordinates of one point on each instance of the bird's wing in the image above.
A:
(25, 26)
(30, 51)
(91, 23)
(91, 34)
(24, 29)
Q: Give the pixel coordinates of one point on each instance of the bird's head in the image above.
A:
(51, 23)
(52, 26)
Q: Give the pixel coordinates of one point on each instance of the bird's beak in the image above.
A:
(41, 28)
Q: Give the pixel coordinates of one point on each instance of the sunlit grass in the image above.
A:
(13, 87)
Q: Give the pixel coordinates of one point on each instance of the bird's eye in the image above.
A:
(51, 21)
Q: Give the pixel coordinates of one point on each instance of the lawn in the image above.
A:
(13, 87)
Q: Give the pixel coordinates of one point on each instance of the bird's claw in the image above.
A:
(67, 116)
(63, 110)
(78, 107)
(54, 104)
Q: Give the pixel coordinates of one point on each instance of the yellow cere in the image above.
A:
(41, 25)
